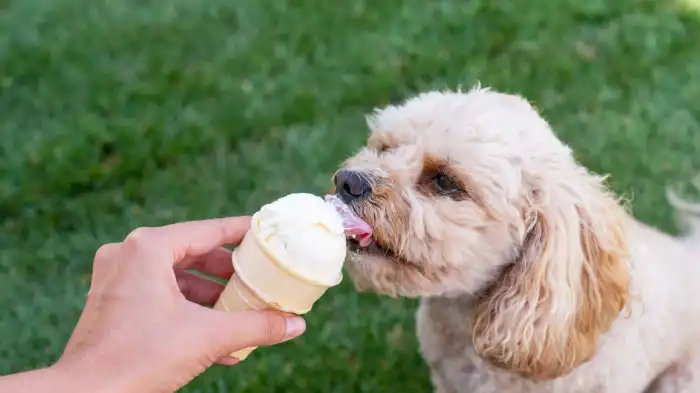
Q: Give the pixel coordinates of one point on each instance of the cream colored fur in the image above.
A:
(534, 278)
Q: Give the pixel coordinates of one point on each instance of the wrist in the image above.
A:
(50, 379)
(84, 378)
(92, 374)
(65, 380)
(68, 379)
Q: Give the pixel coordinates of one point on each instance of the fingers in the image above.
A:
(262, 328)
(228, 361)
(189, 239)
(216, 263)
(198, 289)
(236, 331)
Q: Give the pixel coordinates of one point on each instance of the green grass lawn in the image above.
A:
(117, 114)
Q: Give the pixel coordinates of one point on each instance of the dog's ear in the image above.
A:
(545, 314)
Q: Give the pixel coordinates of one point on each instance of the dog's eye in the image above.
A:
(446, 184)
(382, 148)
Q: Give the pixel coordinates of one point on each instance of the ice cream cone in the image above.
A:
(262, 281)
(236, 297)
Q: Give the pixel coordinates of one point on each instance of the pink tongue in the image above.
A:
(353, 224)
(362, 231)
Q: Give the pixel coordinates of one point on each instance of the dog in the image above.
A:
(532, 274)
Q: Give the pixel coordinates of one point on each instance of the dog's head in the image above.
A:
(471, 194)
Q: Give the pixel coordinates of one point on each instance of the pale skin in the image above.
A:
(145, 326)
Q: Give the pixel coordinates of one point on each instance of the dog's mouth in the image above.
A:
(373, 248)
(360, 234)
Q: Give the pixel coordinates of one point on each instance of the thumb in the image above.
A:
(234, 331)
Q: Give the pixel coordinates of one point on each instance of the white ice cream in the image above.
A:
(305, 234)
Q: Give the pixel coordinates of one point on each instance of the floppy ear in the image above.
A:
(545, 314)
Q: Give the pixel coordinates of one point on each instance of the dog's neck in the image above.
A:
(460, 303)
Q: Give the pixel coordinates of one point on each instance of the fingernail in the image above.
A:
(295, 327)
(228, 361)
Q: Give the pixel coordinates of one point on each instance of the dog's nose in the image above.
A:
(351, 185)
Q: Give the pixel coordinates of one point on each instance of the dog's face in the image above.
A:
(471, 194)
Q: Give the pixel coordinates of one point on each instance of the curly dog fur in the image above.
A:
(533, 277)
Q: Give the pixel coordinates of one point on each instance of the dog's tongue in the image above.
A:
(358, 229)
(354, 226)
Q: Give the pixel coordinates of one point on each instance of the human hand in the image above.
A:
(143, 328)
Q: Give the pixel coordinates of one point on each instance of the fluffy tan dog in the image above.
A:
(533, 277)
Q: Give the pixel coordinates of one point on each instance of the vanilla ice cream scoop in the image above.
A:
(306, 236)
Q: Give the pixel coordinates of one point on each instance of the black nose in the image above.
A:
(351, 185)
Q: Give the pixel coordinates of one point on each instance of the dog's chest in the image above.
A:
(445, 344)
(446, 347)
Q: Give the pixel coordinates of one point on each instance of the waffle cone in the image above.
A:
(261, 282)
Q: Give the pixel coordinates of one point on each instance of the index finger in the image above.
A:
(192, 238)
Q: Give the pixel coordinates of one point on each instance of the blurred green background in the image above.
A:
(117, 114)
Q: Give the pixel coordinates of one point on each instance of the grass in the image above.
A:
(117, 114)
